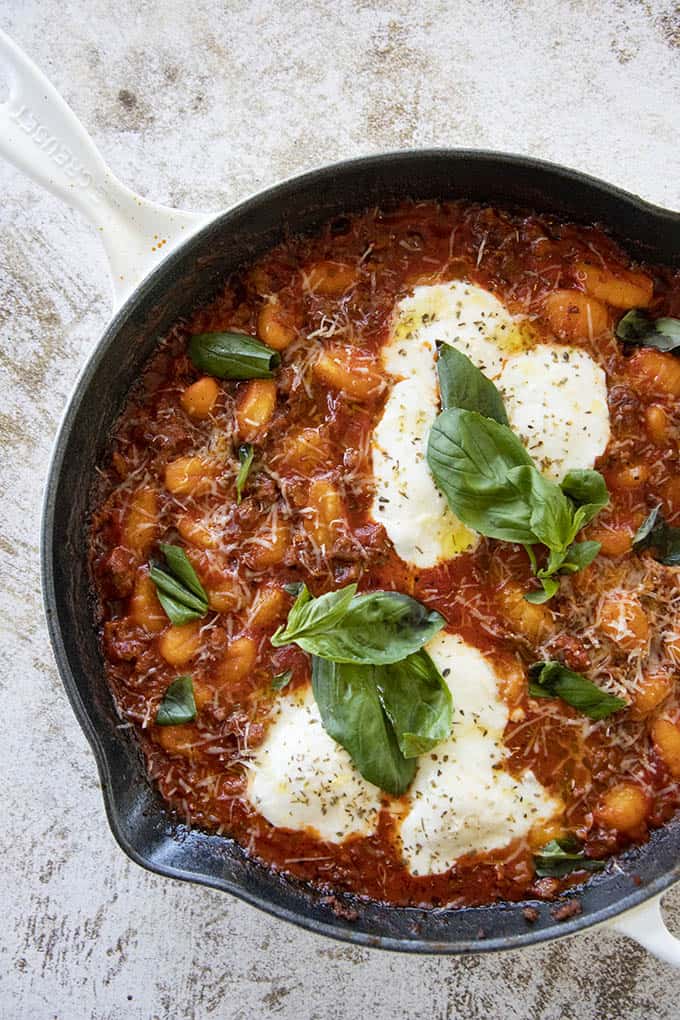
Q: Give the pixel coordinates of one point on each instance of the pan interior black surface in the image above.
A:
(190, 276)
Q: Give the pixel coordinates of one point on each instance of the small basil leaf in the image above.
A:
(636, 327)
(585, 486)
(643, 535)
(293, 588)
(281, 680)
(469, 457)
(461, 384)
(233, 356)
(175, 591)
(579, 555)
(181, 568)
(351, 712)
(553, 680)
(377, 627)
(550, 586)
(655, 533)
(245, 457)
(550, 511)
(178, 705)
(559, 857)
(177, 612)
(417, 701)
(309, 616)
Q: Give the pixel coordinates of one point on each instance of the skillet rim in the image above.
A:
(334, 928)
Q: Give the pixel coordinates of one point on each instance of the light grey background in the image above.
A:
(199, 104)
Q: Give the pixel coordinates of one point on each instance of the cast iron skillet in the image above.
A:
(188, 277)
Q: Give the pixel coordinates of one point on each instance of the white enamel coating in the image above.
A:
(646, 926)
(41, 135)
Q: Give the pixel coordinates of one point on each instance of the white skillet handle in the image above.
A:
(40, 134)
(646, 926)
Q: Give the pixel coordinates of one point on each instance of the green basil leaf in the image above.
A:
(585, 486)
(293, 588)
(309, 617)
(655, 533)
(579, 555)
(233, 356)
(553, 680)
(180, 605)
(180, 592)
(544, 594)
(377, 627)
(181, 568)
(469, 457)
(351, 712)
(550, 511)
(417, 701)
(461, 384)
(643, 536)
(559, 857)
(177, 612)
(178, 705)
(281, 680)
(245, 456)
(636, 327)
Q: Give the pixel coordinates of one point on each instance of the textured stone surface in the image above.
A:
(199, 104)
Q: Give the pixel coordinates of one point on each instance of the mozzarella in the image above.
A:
(300, 778)
(462, 315)
(556, 400)
(407, 503)
(462, 799)
(555, 396)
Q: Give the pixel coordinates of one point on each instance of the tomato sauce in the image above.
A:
(245, 552)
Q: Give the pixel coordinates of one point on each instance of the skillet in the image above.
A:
(181, 259)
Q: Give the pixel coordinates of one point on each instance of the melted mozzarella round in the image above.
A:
(301, 779)
(407, 503)
(556, 400)
(462, 800)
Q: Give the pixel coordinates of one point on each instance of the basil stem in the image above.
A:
(245, 456)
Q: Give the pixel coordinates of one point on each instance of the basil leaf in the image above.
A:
(553, 680)
(181, 568)
(461, 384)
(179, 592)
(579, 555)
(417, 701)
(351, 712)
(544, 594)
(469, 457)
(376, 627)
(309, 616)
(550, 515)
(281, 680)
(245, 457)
(655, 533)
(178, 705)
(636, 327)
(293, 588)
(559, 857)
(233, 356)
(585, 486)
(643, 536)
